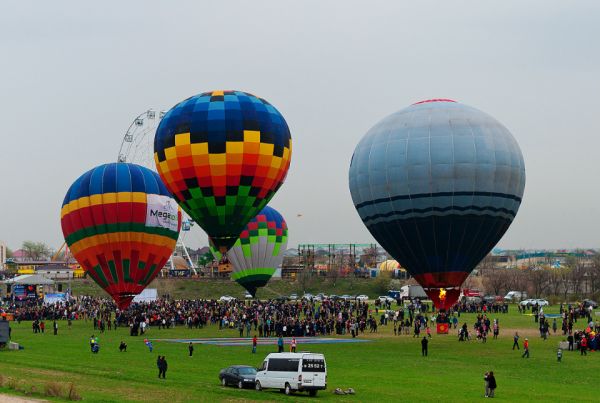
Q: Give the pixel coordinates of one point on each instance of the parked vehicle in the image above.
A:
(291, 372)
(534, 301)
(396, 294)
(412, 292)
(247, 295)
(362, 298)
(293, 297)
(307, 296)
(226, 298)
(589, 302)
(346, 297)
(515, 296)
(385, 298)
(238, 375)
(490, 299)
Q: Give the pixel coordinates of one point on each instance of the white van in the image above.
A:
(293, 371)
(513, 296)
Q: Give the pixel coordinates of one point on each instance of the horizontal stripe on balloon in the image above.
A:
(268, 271)
(103, 198)
(446, 279)
(433, 195)
(145, 240)
(96, 230)
(431, 211)
(106, 214)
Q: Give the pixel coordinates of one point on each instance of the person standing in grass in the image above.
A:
(280, 344)
(516, 341)
(191, 348)
(55, 328)
(486, 382)
(526, 348)
(293, 345)
(424, 343)
(491, 384)
(254, 344)
(583, 345)
(559, 354)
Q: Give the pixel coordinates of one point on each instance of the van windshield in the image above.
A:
(313, 365)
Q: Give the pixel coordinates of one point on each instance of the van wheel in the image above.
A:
(288, 389)
(257, 386)
(312, 392)
(223, 382)
(240, 385)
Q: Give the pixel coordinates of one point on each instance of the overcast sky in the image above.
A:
(74, 74)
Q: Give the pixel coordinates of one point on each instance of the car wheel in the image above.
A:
(223, 382)
(288, 389)
(257, 386)
(312, 392)
(240, 385)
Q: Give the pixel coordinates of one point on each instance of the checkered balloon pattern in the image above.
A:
(259, 250)
(223, 155)
(121, 224)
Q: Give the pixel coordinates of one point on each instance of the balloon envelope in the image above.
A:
(121, 225)
(259, 250)
(437, 184)
(223, 155)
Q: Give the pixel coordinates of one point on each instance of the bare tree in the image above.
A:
(485, 265)
(496, 280)
(576, 276)
(539, 280)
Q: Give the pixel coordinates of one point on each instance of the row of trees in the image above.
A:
(578, 278)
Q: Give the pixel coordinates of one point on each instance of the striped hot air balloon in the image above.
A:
(121, 225)
(258, 251)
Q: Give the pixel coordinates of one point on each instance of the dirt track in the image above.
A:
(17, 399)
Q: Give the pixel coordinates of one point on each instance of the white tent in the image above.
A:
(29, 279)
(148, 295)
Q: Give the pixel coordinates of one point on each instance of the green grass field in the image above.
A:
(388, 369)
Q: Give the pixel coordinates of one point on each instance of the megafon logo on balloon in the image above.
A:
(161, 211)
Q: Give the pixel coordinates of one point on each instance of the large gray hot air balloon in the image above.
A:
(438, 184)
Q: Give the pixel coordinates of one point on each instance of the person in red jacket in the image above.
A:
(526, 348)
(583, 345)
(254, 343)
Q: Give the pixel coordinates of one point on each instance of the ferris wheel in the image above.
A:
(137, 147)
(138, 143)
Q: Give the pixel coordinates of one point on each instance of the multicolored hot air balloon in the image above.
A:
(258, 251)
(438, 184)
(223, 155)
(121, 224)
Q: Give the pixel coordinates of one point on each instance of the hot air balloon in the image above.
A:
(258, 251)
(223, 155)
(438, 184)
(121, 224)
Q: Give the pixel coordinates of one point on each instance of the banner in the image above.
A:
(442, 328)
(161, 212)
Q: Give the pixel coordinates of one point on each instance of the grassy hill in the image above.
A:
(180, 288)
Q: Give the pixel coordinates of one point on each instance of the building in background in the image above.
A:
(2, 255)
